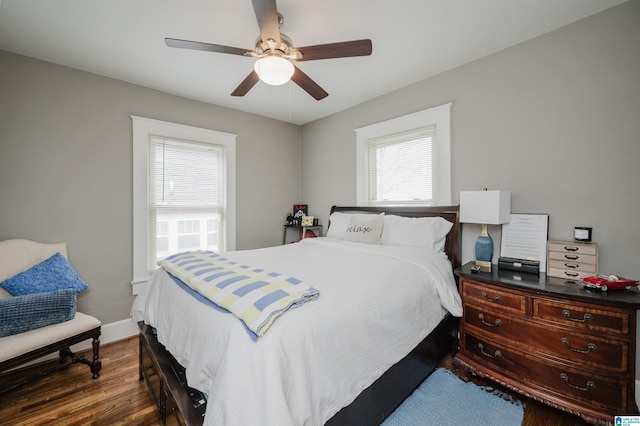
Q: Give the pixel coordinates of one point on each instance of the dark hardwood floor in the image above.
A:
(72, 397)
(117, 397)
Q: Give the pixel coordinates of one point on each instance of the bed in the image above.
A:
(384, 317)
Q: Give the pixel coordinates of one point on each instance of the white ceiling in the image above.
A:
(412, 40)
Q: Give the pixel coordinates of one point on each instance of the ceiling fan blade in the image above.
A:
(198, 45)
(343, 49)
(308, 85)
(246, 84)
(268, 20)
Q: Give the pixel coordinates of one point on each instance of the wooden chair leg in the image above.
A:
(96, 364)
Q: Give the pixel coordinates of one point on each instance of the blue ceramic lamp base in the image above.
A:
(484, 250)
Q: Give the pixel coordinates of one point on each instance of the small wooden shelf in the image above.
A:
(302, 231)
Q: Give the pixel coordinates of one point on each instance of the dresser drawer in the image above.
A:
(570, 347)
(498, 299)
(566, 265)
(569, 384)
(569, 274)
(569, 257)
(568, 247)
(581, 317)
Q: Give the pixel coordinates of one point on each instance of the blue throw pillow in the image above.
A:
(52, 274)
(23, 313)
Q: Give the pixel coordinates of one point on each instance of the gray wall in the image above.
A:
(66, 169)
(556, 120)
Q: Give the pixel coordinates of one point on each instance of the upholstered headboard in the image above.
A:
(19, 255)
(451, 213)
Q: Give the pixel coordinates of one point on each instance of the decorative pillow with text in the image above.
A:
(365, 228)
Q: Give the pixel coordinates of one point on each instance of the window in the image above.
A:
(184, 192)
(406, 160)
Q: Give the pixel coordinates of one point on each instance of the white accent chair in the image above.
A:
(15, 350)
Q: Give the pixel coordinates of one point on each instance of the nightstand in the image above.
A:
(302, 232)
(552, 340)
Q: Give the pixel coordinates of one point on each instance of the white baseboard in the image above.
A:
(111, 332)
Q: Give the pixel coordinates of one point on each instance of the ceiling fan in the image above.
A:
(275, 51)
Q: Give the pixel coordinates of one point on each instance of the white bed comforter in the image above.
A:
(376, 304)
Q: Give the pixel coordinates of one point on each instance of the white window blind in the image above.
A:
(186, 191)
(405, 160)
(403, 168)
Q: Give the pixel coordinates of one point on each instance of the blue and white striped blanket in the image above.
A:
(255, 296)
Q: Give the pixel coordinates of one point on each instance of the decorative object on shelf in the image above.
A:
(289, 220)
(486, 208)
(608, 282)
(301, 232)
(572, 260)
(521, 265)
(308, 233)
(582, 234)
(307, 221)
(299, 211)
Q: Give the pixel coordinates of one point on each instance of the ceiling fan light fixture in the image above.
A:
(274, 70)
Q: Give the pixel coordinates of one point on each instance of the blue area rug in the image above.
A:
(444, 399)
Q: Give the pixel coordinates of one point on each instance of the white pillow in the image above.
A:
(338, 224)
(429, 232)
(365, 228)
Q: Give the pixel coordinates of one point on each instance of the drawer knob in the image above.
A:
(488, 324)
(586, 317)
(571, 265)
(496, 354)
(590, 346)
(571, 257)
(495, 299)
(590, 383)
(571, 248)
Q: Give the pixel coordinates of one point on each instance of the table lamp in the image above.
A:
(486, 208)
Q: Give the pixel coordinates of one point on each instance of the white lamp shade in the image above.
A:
(274, 70)
(485, 207)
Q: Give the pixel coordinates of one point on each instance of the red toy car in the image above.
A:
(608, 282)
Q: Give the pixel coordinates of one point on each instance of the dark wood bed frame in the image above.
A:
(376, 402)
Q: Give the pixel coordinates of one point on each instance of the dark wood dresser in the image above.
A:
(552, 340)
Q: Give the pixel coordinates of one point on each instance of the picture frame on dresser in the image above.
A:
(525, 237)
(552, 340)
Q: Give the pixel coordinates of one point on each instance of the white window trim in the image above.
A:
(142, 129)
(440, 116)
